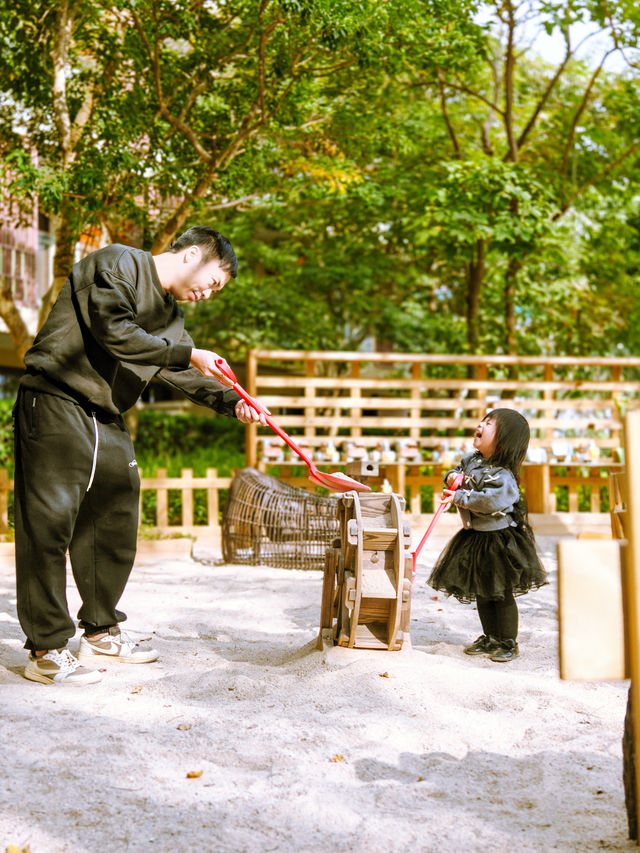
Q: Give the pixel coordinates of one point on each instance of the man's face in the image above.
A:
(197, 280)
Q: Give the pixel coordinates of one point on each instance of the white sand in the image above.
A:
(306, 750)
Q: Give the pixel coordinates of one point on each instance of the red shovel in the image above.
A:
(335, 482)
(444, 504)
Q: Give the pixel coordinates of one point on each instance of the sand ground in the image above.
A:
(297, 749)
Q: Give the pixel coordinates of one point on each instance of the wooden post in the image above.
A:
(186, 475)
(309, 393)
(213, 505)
(355, 393)
(162, 505)
(536, 484)
(616, 376)
(632, 574)
(251, 430)
(547, 394)
(481, 411)
(416, 396)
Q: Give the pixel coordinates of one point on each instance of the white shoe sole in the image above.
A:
(99, 656)
(43, 679)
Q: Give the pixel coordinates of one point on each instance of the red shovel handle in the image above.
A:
(225, 369)
(444, 504)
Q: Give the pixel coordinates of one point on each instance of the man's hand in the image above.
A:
(248, 415)
(205, 361)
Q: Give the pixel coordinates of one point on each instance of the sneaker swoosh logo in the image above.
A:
(111, 649)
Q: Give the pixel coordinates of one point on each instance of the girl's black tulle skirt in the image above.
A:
(488, 564)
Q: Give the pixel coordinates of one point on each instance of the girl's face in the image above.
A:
(485, 438)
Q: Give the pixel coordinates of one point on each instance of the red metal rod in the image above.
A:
(444, 504)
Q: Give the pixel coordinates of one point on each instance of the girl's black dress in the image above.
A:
(495, 552)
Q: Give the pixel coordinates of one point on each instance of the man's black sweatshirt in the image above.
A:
(111, 330)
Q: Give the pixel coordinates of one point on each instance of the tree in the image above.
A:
(165, 111)
(527, 143)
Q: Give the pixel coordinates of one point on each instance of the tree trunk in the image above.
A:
(510, 280)
(475, 271)
(510, 304)
(63, 258)
(18, 331)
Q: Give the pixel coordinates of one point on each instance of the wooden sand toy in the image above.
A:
(366, 594)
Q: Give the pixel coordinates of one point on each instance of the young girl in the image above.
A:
(494, 556)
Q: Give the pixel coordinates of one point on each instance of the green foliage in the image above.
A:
(6, 435)
(386, 171)
(174, 442)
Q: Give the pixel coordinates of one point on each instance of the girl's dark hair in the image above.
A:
(512, 440)
(214, 247)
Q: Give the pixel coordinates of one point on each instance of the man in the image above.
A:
(115, 326)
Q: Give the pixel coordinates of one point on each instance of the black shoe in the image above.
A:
(484, 645)
(508, 650)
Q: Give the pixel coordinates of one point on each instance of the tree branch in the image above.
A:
(460, 88)
(445, 113)
(485, 131)
(59, 54)
(544, 98)
(581, 108)
(509, 71)
(153, 52)
(594, 180)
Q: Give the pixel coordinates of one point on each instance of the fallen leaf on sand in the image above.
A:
(136, 689)
(337, 757)
(184, 727)
(194, 774)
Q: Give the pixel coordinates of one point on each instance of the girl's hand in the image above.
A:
(451, 477)
(448, 498)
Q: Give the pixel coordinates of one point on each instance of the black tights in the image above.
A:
(499, 619)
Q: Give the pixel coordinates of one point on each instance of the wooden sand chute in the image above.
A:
(268, 522)
(366, 595)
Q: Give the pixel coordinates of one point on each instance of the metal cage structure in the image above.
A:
(268, 522)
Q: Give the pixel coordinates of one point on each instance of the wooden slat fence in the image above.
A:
(160, 487)
(171, 517)
(365, 403)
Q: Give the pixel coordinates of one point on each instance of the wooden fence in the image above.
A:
(178, 517)
(171, 502)
(415, 413)
(171, 516)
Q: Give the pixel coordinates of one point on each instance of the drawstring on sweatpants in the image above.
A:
(95, 450)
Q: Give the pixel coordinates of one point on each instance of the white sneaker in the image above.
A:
(59, 666)
(117, 646)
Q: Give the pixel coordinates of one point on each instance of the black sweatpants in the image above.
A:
(76, 490)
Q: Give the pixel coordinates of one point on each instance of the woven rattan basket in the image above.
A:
(268, 522)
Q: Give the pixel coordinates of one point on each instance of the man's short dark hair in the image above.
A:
(214, 247)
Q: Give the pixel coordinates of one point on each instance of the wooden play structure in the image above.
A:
(366, 593)
(599, 606)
